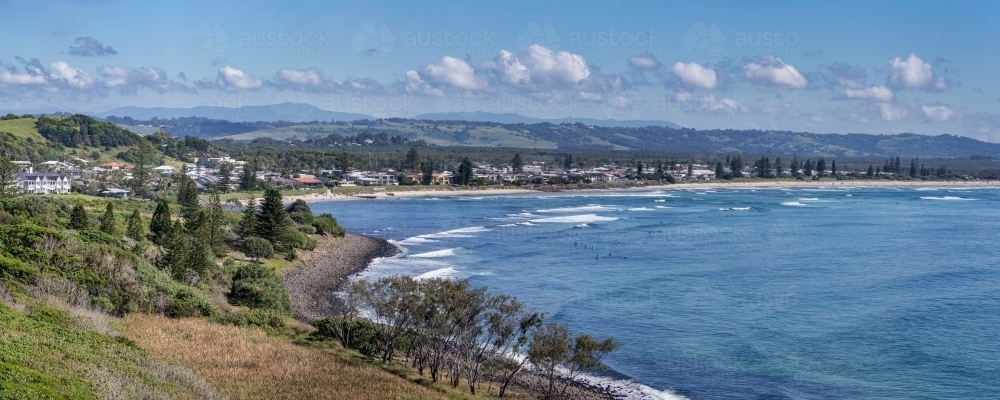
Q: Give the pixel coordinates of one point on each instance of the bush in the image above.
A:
(11, 267)
(325, 224)
(92, 236)
(257, 248)
(185, 303)
(257, 286)
(363, 334)
(271, 321)
(306, 229)
(299, 212)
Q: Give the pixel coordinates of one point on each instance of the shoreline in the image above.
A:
(329, 196)
(313, 282)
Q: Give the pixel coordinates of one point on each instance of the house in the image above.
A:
(164, 170)
(114, 193)
(114, 166)
(308, 181)
(45, 183)
(24, 166)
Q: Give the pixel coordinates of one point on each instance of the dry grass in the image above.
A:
(247, 364)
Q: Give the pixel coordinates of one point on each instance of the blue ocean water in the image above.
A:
(785, 293)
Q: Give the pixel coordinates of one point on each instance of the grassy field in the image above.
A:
(22, 127)
(56, 352)
(248, 364)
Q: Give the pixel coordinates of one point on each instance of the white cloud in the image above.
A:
(309, 77)
(539, 68)
(773, 71)
(937, 113)
(229, 76)
(415, 84)
(15, 78)
(891, 113)
(695, 75)
(644, 62)
(454, 72)
(707, 103)
(130, 80)
(817, 120)
(61, 71)
(914, 73)
(878, 94)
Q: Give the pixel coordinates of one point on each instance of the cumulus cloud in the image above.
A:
(229, 76)
(891, 113)
(313, 80)
(914, 73)
(90, 47)
(20, 79)
(62, 72)
(539, 68)
(695, 75)
(878, 94)
(644, 62)
(771, 70)
(937, 113)
(707, 103)
(449, 73)
(130, 80)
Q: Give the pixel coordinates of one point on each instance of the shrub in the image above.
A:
(185, 303)
(17, 269)
(257, 286)
(271, 321)
(98, 237)
(358, 333)
(306, 229)
(299, 212)
(257, 248)
(327, 225)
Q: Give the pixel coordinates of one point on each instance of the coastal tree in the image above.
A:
(690, 173)
(736, 167)
(568, 161)
(187, 196)
(412, 159)
(225, 176)
(870, 172)
(821, 167)
(465, 171)
(8, 186)
(300, 212)
(720, 171)
(807, 168)
(550, 349)
(794, 166)
(134, 227)
(215, 225)
(517, 164)
(427, 173)
(778, 168)
(833, 168)
(109, 224)
(272, 220)
(248, 177)
(247, 226)
(78, 218)
(140, 174)
(160, 225)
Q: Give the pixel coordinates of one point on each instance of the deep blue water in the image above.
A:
(797, 293)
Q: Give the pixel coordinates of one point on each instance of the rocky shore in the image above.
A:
(312, 285)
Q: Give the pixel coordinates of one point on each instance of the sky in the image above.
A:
(825, 67)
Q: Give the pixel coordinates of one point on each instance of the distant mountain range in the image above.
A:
(299, 112)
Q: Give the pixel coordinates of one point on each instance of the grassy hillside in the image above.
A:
(23, 128)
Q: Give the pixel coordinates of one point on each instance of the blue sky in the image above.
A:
(871, 67)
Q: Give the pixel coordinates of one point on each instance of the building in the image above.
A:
(114, 193)
(24, 166)
(164, 170)
(46, 183)
(308, 181)
(113, 166)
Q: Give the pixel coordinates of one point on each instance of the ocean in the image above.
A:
(778, 293)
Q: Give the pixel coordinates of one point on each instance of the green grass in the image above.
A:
(23, 128)
(46, 352)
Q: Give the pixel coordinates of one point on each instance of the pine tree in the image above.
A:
(412, 159)
(821, 167)
(807, 169)
(160, 226)
(109, 224)
(187, 197)
(871, 172)
(517, 164)
(8, 187)
(778, 171)
(135, 229)
(638, 168)
(720, 171)
(78, 218)
(216, 225)
(248, 178)
(225, 176)
(272, 220)
(795, 166)
(248, 225)
(568, 162)
(913, 168)
(833, 168)
(465, 171)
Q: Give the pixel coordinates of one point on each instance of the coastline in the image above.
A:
(433, 192)
(316, 278)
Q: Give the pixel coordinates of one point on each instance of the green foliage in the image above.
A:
(354, 333)
(300, 212)
(81, 130)
(78, 219)
(271, 321)
(257, 286)
(160, 225)
(326, 224)
(187, 303)
(8, 188)
(135, 228)
(109, 223)
(17, 269)
(98, 237)
(257, 248)
(273, 221)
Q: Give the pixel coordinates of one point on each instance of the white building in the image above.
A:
(42, 183)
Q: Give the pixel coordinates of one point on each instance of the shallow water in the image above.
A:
(794, 293)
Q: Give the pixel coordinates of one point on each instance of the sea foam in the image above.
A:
(575, 219)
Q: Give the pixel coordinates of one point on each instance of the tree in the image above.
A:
(807, 169)
(135, 229)
(109, 224)
(140, 174)
(187, 196)
(690, 170)
(465, 171)
(225, 176)
(8, 186)
(568, 161)
(871, 172)
(736, 167)
(272, 220)
(821, 167)
(427, 174)
(720, 171)
(78, 218)
(833, 168)
(248, 178)
(248, 224)
(778, 170)
(517, 164)
(638, 169)
(795, 166)
(300, 212)
(215, 225)
(913, 168)
(412, 159)
(550, 349)
(160, 225)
